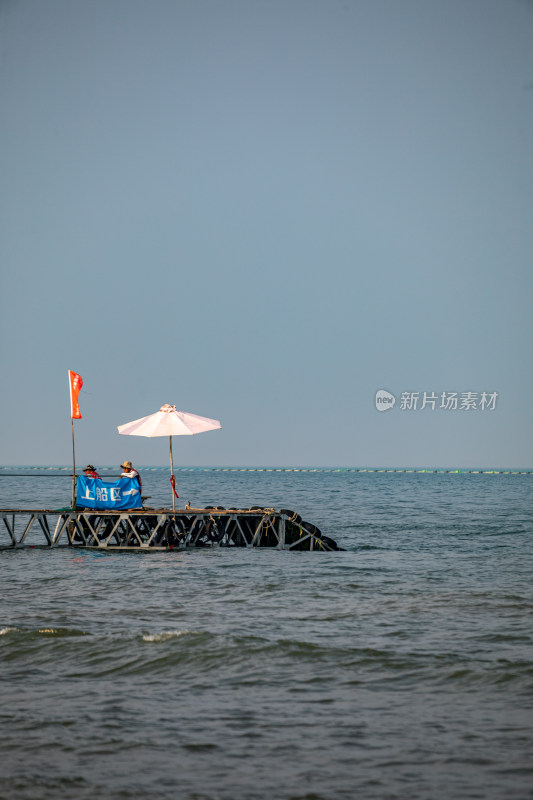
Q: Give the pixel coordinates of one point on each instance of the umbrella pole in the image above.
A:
(172, 475)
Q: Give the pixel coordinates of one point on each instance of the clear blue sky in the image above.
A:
(264, 212)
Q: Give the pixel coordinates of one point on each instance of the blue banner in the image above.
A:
(121, 494)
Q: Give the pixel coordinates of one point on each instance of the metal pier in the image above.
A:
(160, 529)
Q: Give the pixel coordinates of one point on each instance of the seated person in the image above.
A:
(90, 472)
(130, 472)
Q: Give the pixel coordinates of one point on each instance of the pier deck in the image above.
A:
(160, 529)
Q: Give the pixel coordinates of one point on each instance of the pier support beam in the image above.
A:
(161, 529)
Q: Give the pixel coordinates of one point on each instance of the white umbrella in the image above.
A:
(168, 421)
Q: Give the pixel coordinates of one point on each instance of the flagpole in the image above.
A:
(75, 383)
(73, 468)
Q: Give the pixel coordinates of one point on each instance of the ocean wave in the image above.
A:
(78, 653)
(31, 633)
(163, 636)
(61, 632)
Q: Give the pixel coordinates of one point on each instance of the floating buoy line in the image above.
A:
(9, 471)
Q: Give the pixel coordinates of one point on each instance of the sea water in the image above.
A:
(401, 667)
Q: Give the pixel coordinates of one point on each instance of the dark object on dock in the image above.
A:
(164, 529)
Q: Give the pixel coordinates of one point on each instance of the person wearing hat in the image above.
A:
(130, 472)
(90, 472)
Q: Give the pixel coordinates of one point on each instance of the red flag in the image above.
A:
(75, 383)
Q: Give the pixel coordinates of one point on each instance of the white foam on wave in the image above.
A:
(3, 631)
(162, 636)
